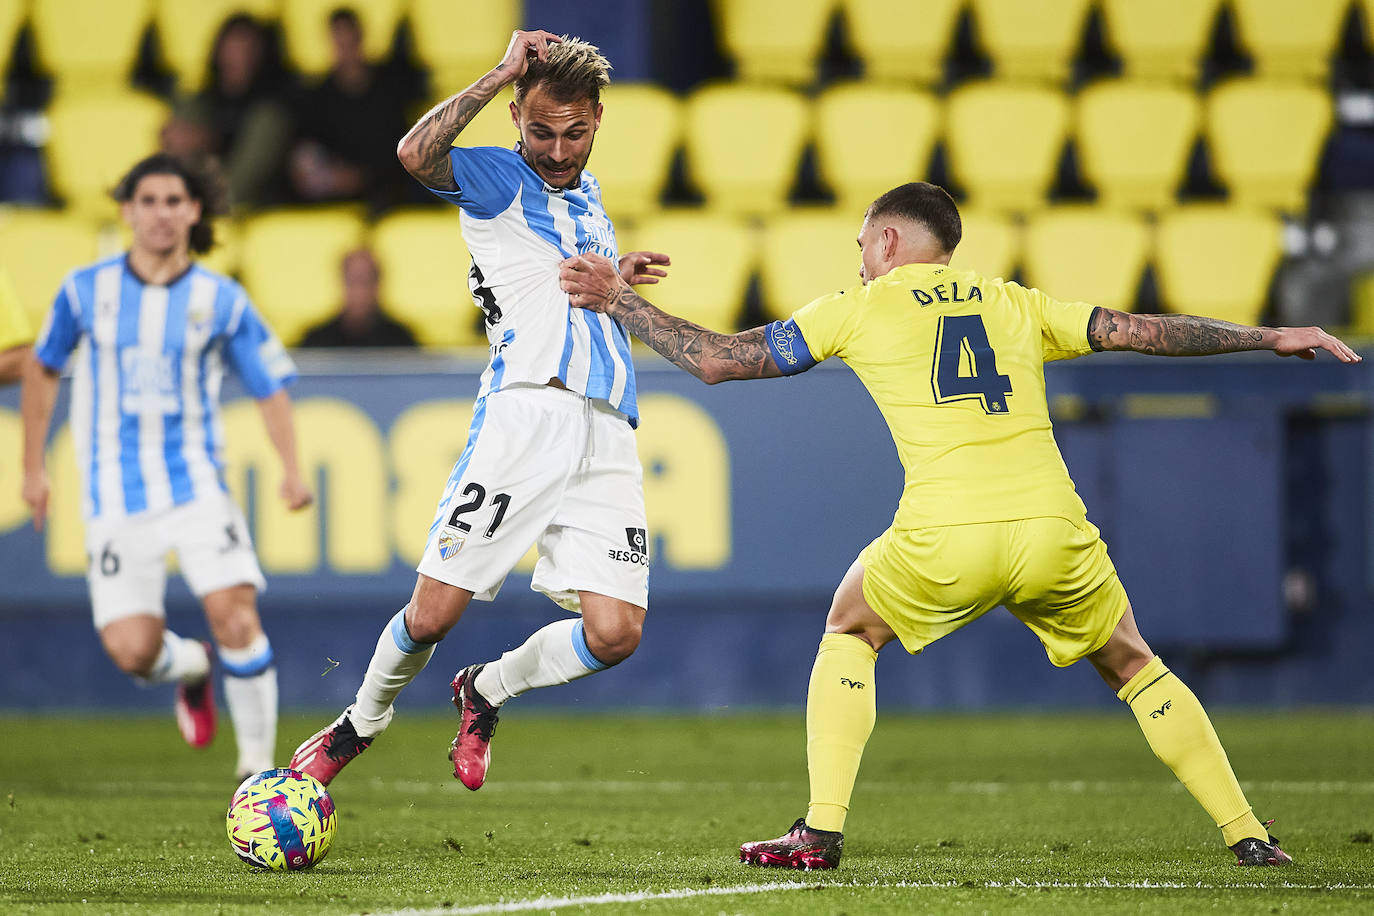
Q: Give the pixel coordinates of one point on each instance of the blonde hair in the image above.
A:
(574, 71)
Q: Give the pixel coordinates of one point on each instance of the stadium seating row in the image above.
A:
(781, 40)
(744, 144)
(1210, 259)
(87, 44)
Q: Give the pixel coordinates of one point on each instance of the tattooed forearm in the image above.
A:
(424, 149)
(709, 355)
(1173, 335)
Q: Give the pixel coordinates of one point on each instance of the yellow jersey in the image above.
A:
(14, 323)
(955, 363)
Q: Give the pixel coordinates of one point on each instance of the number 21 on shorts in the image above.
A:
(961, 345)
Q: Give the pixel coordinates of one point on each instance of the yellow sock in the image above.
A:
(1180, 734)
(840, 711)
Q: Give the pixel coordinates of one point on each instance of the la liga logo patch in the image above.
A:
(451, 541)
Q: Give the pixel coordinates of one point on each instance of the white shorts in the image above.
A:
(127, 556)
(552, 468)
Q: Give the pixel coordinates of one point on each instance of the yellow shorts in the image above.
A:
(1052, 573)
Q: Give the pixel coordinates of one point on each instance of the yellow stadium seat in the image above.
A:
(1265, 139)
(1361, 305)
(1004, 142)
(492, 126)
(305, 26)
(1289, 39)
(89, 45)
(807, 253)
(902, 42)
(424, 284)
(186, 33)
(1134, 139)
(290, 265)
(1217, 260)
(12, 14)
(93, 139)
(1160, 39)
(774, 40)
(641, 126)
(744, 145)
(991, 244)
(713, 257)
(39, 248)
(1030, 39)
(1087, 254)
(871, 138)
(459, 42)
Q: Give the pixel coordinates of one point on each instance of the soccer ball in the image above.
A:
(282, 820)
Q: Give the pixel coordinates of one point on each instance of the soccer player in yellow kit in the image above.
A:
(955, 363)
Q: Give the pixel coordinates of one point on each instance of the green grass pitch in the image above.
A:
(636, 813)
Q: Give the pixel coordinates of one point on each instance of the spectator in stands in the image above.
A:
(361, 322)
(346, 127)
(15, 333)
(243, 116)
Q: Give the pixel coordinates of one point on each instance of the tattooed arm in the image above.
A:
(1191, 335)
(424, 149)
(593, 282)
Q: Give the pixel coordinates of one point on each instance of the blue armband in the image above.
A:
(788, 347)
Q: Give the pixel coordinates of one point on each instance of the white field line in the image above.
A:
(554, 903)
(1062, 787)
(665, 786)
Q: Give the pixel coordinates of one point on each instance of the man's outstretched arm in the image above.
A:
(1191, 335)
(592, 282)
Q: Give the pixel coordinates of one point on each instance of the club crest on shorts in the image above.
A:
(450, 542)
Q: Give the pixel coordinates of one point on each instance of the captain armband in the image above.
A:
(788, 347)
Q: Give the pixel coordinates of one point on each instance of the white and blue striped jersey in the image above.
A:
(146, 380)
(517, 229)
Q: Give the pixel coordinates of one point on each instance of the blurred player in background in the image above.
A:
(988, 515)
(152, 331)
(15, 333)
(550, 456)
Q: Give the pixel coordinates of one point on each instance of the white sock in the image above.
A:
(181, 659)
(250, 692)
(394, 664)
(555, 654)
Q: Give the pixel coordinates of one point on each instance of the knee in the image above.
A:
(614, 643)
(427, 622)
(133, 657)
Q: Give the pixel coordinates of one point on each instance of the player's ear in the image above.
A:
(515, 115)
(596, 118)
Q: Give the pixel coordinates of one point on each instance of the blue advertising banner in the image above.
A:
(759, 496)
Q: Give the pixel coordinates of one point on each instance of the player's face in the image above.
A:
(161, 213)
(871, 264)
(557, 136)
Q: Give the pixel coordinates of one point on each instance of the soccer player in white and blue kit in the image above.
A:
(151, 331)
(550, 458)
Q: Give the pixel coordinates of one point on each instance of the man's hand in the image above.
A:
(1305, 342)
(592, 282)
(295, 493)
(522, 45)
(35, 493)
(635, 267)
